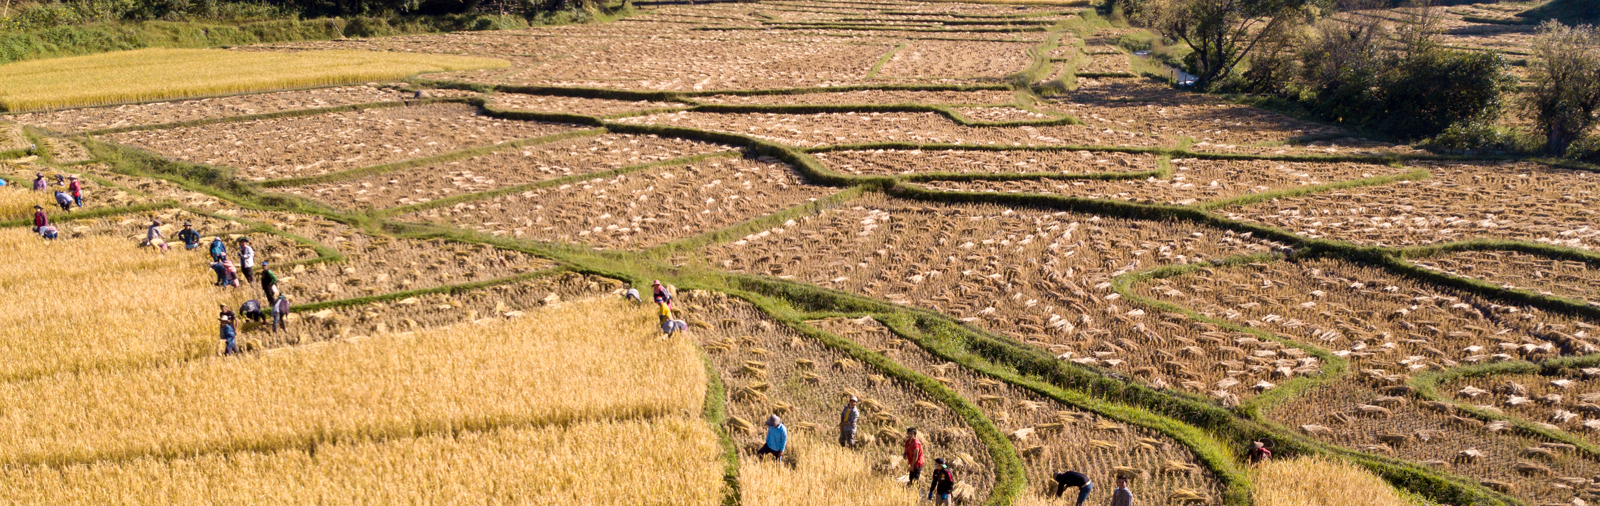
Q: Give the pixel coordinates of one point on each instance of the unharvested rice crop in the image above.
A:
(1492, 200)
(17, 203)
(65, 151)
(944, 59)
(155, 113)
(823, 470)
(511, 167)
(163, 74)
(575, 105)
(1193, 181)
(1050, 436)
(811, 130)
(897, 162)
(1511, 269)
(314, 145)
(571, 363)
(1318, 481)
(987, 97)
(642, 209)
(98, 302)
(1043, 278)
(678, 465)
(95, 194)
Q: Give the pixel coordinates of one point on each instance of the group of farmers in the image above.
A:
(68, 194)
(228, 274)
(664, 307)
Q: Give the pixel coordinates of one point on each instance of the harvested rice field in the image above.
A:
(1522, 271)
(321, 144)
(201, 109)
(502, 169)
(888, 162)
(1460, 201)
(920, 204)
(642, 209)
(1193, 181)
(828, 129)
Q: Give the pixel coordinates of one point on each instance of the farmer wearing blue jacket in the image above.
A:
(777, 439)
(219, 250)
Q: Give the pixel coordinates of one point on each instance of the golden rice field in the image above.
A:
(99, 302)
(162, 74)
(846, 198)
(571, 363)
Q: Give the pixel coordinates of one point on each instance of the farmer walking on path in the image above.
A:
(942, 483)
(190, 238)
(247, 260)
(1122, 496)
(76, 190)
(847, 423)
(777, 439)
(269, 282)
(219, 249)
(914, 458)
(1074, 479)
(280, 311)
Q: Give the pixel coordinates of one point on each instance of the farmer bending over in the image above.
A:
(777, 439)
(64, 200)
(631, 295)
(280, 311)
(252, 311)
(662, 296)
(1258, 452)
(219, 249)
(1074, 479)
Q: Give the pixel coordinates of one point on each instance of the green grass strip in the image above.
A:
(450, 156)
(878, 67)
(715, 413)
(511, 190)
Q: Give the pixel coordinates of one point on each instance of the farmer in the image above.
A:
(777, 439)
(1122, 496)
(671, 327)
(232, 278)
(631, 295)
(1258, 452)
(252, 311)
(76, 190)
(847, 423)
(228, 335)
(664, 311)
(247, 259)
(943, 483)
(222, 273)
(219, 249)
(39, 219)
(152, 233)
(661, 294)
(225, 314)
(49, 232)
(269, 282)
(1074, 479)
(39, 183)
(913, 454)
(190, 238)
(280, 311)
(64, 200)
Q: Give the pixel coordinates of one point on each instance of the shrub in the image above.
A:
(1481, 137)
(1565, 98)
(1585, 150)
(362, 26)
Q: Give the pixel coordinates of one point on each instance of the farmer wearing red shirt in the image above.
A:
(76, 190)
(39, 220)
(913, 455)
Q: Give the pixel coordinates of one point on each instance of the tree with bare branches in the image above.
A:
(1223, 33)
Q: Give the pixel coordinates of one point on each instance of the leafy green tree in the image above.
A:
(1223, 33)
(1566, 83)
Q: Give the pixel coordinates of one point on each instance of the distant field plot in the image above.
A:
(583, 155)
(1511, 269)
(144, 307)
(1193, 181)
(705, 64)
(643, 209)
(1115, 63)
(133, 115)
(1002, 114)
(1043, 278)
(952, 59)
(1505, 200)
(314, 145)
(897, 162)
(574, 105)
(868, 97)
(161, 74)
(922, 128)
(1564, 399)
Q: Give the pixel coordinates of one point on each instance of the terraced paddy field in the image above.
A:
(840, 198)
